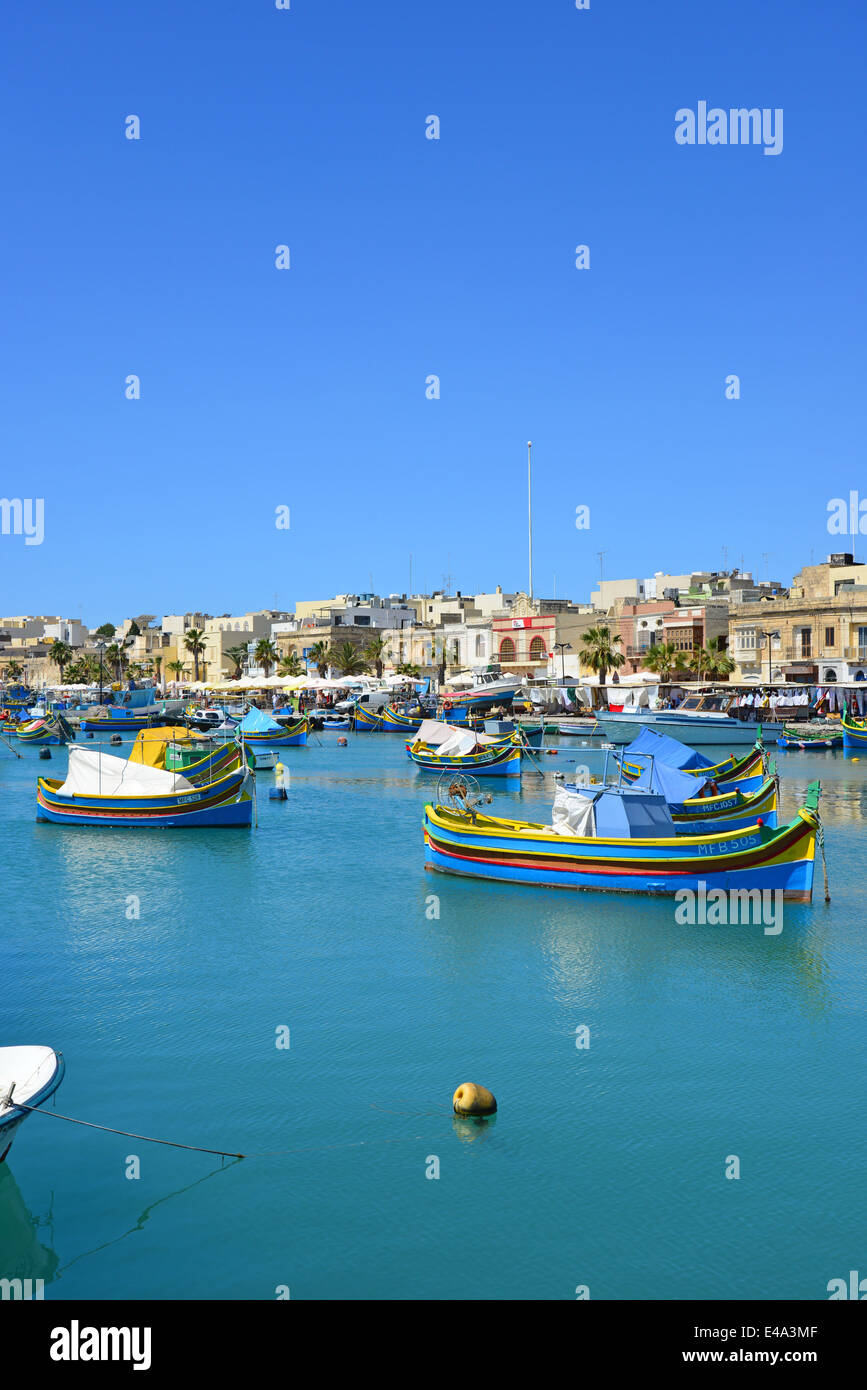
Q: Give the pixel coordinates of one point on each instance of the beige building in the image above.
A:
(818, 634)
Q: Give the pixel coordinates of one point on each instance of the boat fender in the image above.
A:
(279, 770)
(45, 752)
(470, 1099)
(341, 743)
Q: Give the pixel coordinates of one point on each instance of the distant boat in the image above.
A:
(100, 789)
(441, 748)
(699, 720)
(29, 1075)
(53, 728)
(258, 728)
(854, 732)
(804, 739)
(488, 688)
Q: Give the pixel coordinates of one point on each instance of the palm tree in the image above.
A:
(348, 660)
(61, 654)
(157, 663)
(713, 660)
(117, 657)
(290, 665)
(266, 654)
(598, 652)
(374, 652)
(407, 668)
(177, 668)
(663, 659)
(320, 655)
(237, 656)
(13, 670)
(194, 642)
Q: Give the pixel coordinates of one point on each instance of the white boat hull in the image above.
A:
(694, 730)
(28, 1075)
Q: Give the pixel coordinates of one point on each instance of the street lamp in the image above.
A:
(769, 635)
(562, 648)
(100, 647)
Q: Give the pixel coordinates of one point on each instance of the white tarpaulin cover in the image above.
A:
(92, 773)
(573, 814)
(434, 732)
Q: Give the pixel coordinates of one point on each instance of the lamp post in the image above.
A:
(769, 636)
(530, 510)
(563, 648)
(100, 647)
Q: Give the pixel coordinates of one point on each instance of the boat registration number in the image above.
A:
(731, 846)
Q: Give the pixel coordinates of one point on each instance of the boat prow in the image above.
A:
(28, 1075)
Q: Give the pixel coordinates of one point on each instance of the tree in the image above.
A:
(134, 630)
(290, 665)
(107, 631)
(237, 656)
(407, 668)
(194, 642)
(374, 652)
(116, 656)
(347, 659)
(663, 659)
(266, 654)
(61, 654)
(710, 661)
(177, 668)
(157, 663)
(598, 652)
(320, 654)
(13, 670)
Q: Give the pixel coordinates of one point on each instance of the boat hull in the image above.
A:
(517, 852)
(225, 802)
(694, 730)
(503, 760)
(12, 1119)
(293, 736)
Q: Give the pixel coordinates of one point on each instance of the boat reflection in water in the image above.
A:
(22, 1254)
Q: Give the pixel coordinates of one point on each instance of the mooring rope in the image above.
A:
(824, 864)
(126, 1133)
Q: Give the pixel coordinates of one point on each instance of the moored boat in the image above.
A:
(51, 728)
(804, 739)
(854, 732)
(100, 789)
(28, 1075)
(699, 720)
(258, 728)
(441, 748)
(594, 843)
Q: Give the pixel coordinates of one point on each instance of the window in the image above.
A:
(862, 637)
(745, 639)
(806, 636)
(830, 637)
(537, 650)
(507, 649)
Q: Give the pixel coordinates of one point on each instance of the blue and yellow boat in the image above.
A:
(258, 729)
(854, 732)
(398, 720)
(365, 720)
(440, 747)
(51, 728)
(103, 790)
(595, 846)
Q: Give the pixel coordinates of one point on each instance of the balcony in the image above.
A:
(855, 654)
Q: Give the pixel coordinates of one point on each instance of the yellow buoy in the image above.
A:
(470, 1099)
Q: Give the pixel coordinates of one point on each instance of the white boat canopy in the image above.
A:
(94, 773)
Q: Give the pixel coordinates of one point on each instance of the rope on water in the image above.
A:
(127, 1134)
(824, 864)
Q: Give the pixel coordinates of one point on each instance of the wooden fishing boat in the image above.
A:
(51, 728)
(118, 722)
(443, 748)
(365, 720)
(393, 718)
(174, 750)
(747, 772)
(28, 1075)
(854, 732)
(804, 739)
(258, 729)
(103, 790)
(462, 840)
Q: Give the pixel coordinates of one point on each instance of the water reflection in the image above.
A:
(473, 1129)
(22, 1253)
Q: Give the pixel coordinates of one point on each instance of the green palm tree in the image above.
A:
(407, 668)
(13, 670)
(61, 654)
(663, 659)
(320, 654)
(237, 656)
(290, 665)
(194, 642)
(177, 668)
(267, 654)
(710, 660)
(598, 651)
(374, 652)
(116, 656)
(348, 660)
(157, 663)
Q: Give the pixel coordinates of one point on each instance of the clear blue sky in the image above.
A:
(412, 257)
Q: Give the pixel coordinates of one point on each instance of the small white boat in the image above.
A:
(262, 759)
(29, 1075)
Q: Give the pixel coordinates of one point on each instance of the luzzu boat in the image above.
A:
(395, 718)
(441, 748)
(854, 731)
(747, 772)
(696, 805)
(805, 739)
(103, 790)
(51, 728)
(174, 750)
(599, 840)
(258, 729)
(365, 720)
(28, 1075)
(118, 721)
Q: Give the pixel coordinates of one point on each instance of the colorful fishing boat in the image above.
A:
(747, 772)
(28, 1076)
(442, 748)
(365, 720)
(100, 789)
(118, 721)
(51, 728)
(854, 731)
(393, 718)
(174, 750)
(489, 688)
(601, 843)
(258, 729)
(696, 805)
(805, 739)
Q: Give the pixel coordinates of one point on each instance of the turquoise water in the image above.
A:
(604, 1167)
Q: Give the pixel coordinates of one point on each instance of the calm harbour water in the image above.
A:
(604, 1167)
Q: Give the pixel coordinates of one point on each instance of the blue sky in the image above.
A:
(410, 257)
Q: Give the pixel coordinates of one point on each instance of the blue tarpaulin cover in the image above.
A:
(673, 783)
(665, 750)
(258, 722)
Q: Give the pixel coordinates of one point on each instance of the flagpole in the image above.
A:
(530, 510)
